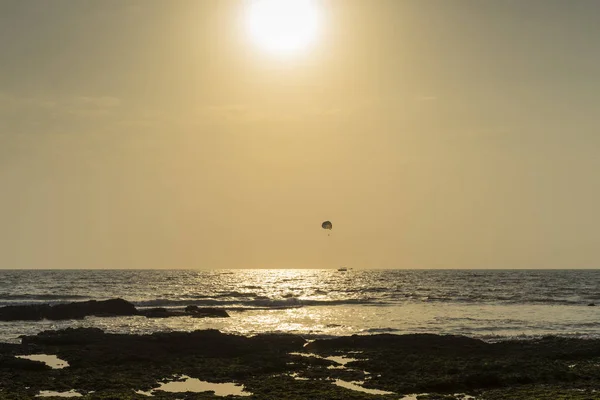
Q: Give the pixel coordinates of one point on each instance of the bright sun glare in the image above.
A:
(283, 26)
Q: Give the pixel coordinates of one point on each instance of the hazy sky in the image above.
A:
(432, 133)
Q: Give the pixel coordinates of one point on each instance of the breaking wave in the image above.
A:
(256, 303)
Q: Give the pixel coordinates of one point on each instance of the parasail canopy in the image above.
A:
(327, 225)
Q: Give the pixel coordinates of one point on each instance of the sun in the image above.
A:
(283, 26)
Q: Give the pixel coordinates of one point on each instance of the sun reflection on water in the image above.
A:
(328, 302)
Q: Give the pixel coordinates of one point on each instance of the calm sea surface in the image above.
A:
(491, 305)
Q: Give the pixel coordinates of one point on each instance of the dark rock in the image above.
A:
(69, 336)
(207, 312)
(160, 345)
(13, 363)
(77, 310)
(80, 310)
(114, 365)
(193, 311)
(160, 312)
(591, 305)
(283, 341)
(34, 312)
(414, 342)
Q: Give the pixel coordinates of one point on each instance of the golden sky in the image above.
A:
(432, 133)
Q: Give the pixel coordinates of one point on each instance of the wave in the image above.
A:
(252, 300)
(502, 300)
(233, 294)
(368, 290)
(41, 297)
(256, 303)
(236, 294)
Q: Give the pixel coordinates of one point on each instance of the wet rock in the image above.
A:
(12, 363)
(206, 312)
(414, 342)
(285, 342)
(69, 336)
(113, 307)
(189, 311)
(115, 365)
(33, 312)
(160, 312)
(93, 347)
(77, 310)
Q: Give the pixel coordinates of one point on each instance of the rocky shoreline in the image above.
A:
(103, 308)
(281, 366)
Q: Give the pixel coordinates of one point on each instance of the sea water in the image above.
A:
(487, 304)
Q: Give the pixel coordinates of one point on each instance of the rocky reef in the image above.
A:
(191, 311)
(103, 308)
(273, 366)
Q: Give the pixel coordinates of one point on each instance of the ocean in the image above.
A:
(489, 304)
